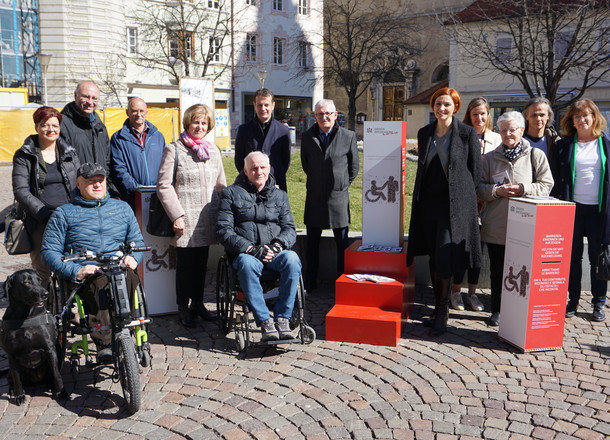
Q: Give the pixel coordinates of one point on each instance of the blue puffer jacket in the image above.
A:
(247, 217)
(98, 225)
(133, 165)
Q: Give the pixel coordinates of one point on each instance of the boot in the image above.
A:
(429, 321)
(202, 312)
(440, 321)
(186, 317)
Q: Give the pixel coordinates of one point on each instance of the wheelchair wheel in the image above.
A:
(224, 281)
(308, 334)
(240, 342)
(129, 373)
(140, 335)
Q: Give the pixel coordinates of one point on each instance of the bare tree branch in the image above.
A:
(361, 44)
(184, 37)
(558, 48)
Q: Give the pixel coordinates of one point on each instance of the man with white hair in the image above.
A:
(257, 230)
(329, 155)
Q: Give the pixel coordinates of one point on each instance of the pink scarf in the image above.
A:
(200, 146)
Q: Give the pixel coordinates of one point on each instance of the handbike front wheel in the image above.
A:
(129, 373)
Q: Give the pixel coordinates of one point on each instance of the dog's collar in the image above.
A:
(32, 321)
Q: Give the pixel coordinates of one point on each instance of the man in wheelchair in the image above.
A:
(257, 229)
(94, 221)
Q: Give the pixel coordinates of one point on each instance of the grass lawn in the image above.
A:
(296, 180)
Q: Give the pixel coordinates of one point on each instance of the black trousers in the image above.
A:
(496, 269)
(191, 268)
(313, 250)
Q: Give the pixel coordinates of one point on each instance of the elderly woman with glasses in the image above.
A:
(581, 170)
(513, 169)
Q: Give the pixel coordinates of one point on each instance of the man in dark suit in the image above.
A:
(329, 155)
(265, 134)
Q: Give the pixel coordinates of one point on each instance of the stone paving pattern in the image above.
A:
(466, 384)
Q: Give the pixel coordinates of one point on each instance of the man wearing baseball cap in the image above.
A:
(99, 223)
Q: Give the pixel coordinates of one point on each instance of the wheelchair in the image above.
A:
(128, 322)
(234, 312)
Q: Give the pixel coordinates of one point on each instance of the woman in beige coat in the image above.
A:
(477, 116)
(514, 169)
(191, 202)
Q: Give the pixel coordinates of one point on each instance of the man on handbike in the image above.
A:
(94, 221)
(256, 228)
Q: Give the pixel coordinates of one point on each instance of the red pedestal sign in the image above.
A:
(536, 272)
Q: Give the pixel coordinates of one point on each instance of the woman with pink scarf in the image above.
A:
(190, 198)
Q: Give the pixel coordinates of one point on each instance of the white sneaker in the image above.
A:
(456, 300)
(474, 303)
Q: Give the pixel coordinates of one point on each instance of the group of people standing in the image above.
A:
(73, 146)
(467, 174)
(465, 177)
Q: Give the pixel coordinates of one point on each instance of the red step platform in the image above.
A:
(367, 312)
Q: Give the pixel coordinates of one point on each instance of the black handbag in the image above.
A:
(159, 224)
(602, 271)
(17, 240)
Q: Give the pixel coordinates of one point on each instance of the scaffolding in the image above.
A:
(22, 41)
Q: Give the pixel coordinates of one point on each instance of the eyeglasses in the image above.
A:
(582, 116)
(49, 126)
(510, 130)
(325, 114)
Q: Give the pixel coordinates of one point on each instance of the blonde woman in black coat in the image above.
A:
(444, 217)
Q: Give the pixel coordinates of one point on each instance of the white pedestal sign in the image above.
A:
(158, 268)
(383, 186)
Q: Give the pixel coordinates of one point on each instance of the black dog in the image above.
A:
(29, 336)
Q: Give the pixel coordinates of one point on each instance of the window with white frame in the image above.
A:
(278, 50)
(503, 48)
(562, 43)
(132, 40)
(251, 2)
(303, 8)
(213, 4)
(215, 53)
(180, 47)
(303, 54)
(251, 41)
(604, 42)
(278, 5)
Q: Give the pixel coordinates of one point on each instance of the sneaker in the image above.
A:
(269, 331)
(474, 303)
(494, 320)
(104, 354)
(571, 309)
(598, 313)
(456, 300)
(283, 327)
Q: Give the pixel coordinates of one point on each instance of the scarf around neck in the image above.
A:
(199, 146)
(514, 153)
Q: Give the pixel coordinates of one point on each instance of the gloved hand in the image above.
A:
(276, 247)
(258, 252)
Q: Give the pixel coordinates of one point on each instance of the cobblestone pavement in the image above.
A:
(466, 384)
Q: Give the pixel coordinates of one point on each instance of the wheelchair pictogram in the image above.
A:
(375, 193)
(510, 281)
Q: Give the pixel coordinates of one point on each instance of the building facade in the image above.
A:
(141, 48)
(385, 99)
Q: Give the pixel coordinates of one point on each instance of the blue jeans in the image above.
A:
(249, 269)
(587, 221)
